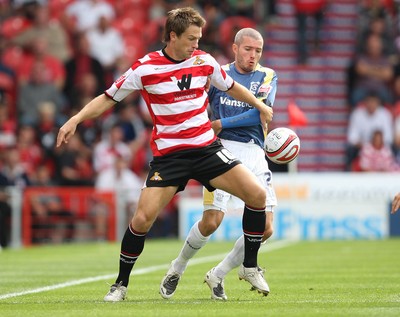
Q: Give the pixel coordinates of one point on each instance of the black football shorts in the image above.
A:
(202, 164)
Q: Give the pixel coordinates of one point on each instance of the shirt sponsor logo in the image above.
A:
(184, 95)
(233, 102)
(185, 81)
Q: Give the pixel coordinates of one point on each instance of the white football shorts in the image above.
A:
(253, 157)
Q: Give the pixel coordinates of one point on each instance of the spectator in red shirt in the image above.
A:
(375, 156)
(53, 68)
(8, 79)
(30, 153)
(50, 29)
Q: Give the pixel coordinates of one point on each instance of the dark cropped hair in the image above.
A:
(178, 20)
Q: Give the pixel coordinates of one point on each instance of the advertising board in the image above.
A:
(315, 206)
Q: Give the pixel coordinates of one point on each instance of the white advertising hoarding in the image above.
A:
(315, 206)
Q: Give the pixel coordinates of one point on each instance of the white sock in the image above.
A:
(193, 243)
(232, 260)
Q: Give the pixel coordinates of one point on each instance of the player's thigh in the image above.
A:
(151, 201)
(242, 183)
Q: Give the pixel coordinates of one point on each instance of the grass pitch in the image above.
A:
(328, 278)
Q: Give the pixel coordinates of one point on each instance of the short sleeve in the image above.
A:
(219, 78)
(124, 85)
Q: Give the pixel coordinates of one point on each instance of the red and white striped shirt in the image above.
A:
(175, 96)
(377, 160)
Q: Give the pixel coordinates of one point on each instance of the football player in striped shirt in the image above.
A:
(173, 83)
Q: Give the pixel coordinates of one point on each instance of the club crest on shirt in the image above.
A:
(156, 177)
(219, 196)
(198, 61)
(254, 86)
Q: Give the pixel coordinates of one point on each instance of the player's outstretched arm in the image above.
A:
(92, 110)
(241, 93)
(396, 203)
(245, 119)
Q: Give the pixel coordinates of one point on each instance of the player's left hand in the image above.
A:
(216, 126)
(396, 203)
(266, 116)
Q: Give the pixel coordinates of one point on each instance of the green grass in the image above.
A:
(330, 278)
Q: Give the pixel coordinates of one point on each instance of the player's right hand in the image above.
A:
(66, 131)
(216, 126)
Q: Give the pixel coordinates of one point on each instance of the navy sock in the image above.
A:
(253, 228)
(131, 247)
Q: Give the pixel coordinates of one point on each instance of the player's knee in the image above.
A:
(142, 221)
(212, 226)
(208, 227)
(210, 221)
(258, 198)
(263, 196)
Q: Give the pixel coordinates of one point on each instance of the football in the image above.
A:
(282, 145)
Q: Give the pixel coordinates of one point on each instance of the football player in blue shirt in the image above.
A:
(241, 132)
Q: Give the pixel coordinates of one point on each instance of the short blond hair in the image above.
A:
(254, 34)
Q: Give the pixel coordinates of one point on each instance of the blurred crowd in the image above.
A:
(56, 55)
(373, 83)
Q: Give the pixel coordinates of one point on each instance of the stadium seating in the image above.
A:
(318, 88)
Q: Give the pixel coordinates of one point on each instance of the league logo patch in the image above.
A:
(265, 89)
(263, 92)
